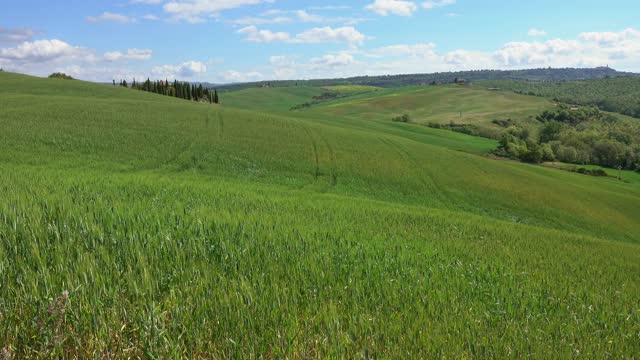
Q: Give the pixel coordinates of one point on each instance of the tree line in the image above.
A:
(389, 81)
(621, 94)
(178, 89)
(576, 135)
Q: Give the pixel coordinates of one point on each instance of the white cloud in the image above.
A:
(538, 53)
(306, 17)
(437, 4)
(195, 11)
(131, 54)
(618, 49)
(236, 76)
(393, 7)
(151, 17)
(43, 57)
(536, 32)
(15, 36)
(346, 34)
(109, 16)
(41, 51)
(256, 35)
(325, 34)
(609, 39)
(187, 69)
(332, 61)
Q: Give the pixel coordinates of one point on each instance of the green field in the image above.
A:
(440, 104)
(247, 230)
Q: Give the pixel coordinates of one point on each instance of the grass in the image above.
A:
(352, 89)
(190, 230)
(440, 104)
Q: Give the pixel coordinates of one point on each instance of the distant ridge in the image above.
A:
(542, 74)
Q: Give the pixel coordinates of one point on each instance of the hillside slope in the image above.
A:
(185, 229)
(621, 95)
(390, 81)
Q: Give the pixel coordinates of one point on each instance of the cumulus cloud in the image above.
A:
(393, 7)
(110, 17)
(41, 51)
(610, 39)
(195, 11)
(42, 57)
(184, 70)
(540, 53)
(619, 49)
(131, 54)
(327, 34)
(536, 32)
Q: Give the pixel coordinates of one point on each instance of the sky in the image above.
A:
(225, 41)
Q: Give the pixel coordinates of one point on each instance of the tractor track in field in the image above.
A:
(316, 155)
(332, 154)
(412, 160)
(333, 176)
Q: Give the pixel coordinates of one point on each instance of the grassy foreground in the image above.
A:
(187, 230)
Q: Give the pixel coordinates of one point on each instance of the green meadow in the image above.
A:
(248, 230)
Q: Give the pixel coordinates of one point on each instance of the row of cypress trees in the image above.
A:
(179, 89)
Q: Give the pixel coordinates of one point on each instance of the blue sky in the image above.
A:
(245, 40)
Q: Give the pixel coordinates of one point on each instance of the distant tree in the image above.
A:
(114, 82)
(216, 99)
(550, 131)
(59, 75)
(404, 118)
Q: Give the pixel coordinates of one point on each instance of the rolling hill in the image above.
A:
(387, 81)
(618, 94)
(192, 230)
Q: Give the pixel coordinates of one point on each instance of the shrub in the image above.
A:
(592, 172)
(59, 75)
(404, 118)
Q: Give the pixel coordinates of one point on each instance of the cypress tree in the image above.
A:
(216, 99)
